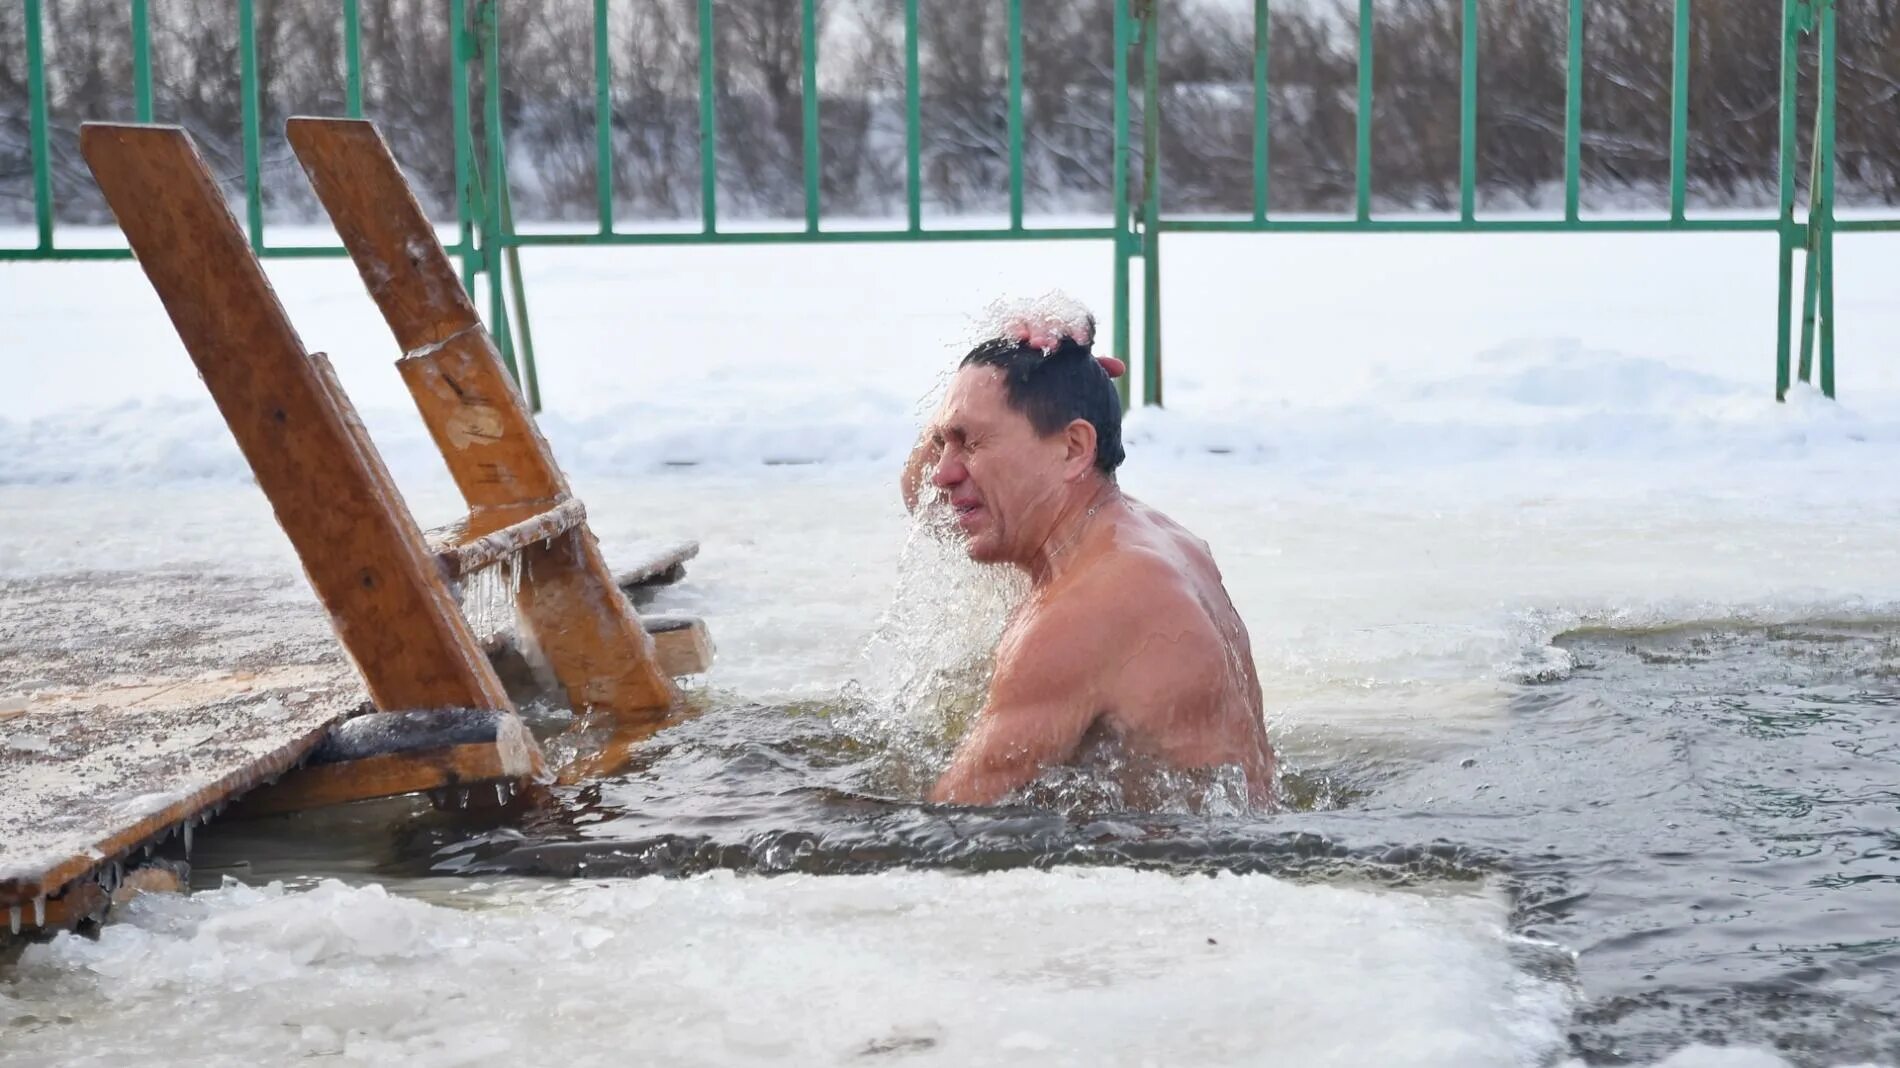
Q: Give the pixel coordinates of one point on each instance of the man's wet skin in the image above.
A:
(1127, 635)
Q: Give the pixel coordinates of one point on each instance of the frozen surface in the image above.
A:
(1059, 967)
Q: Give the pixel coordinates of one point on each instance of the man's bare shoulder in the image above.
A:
(1134, 593)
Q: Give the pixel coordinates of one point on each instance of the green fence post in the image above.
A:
(247, 76)
(353, 58)
(142, 59)
(489, 15)
(1123, 244)
(1810, 286)
(913, 123)
(530, 380)
(1573, 112)
(464, 142)
(1015, 114)
(37, 120)
(1787, 231)
(1362, 162)
(1261, 177)
(1468, 114)
(1151, 207)
(603, 121)
(1819, 237)
(1679, 114)
(1811, 263)
(708, 123)
(1824, 151)
(813, 162)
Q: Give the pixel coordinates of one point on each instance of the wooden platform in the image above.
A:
(90, 778)
(656, 564)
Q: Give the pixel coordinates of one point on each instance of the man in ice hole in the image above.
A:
(1127, 643)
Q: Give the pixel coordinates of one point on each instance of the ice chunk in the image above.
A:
(29, 743)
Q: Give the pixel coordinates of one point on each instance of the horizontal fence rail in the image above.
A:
(487, 241)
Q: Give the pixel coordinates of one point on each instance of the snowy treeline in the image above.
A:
(1206, 79)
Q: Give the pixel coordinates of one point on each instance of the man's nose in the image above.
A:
(949, 472)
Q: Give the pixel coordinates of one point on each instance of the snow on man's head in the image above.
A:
(1043, 348)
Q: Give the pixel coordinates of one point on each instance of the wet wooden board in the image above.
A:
(88, 777)
(588, 631)
(656, 566)
(683, 644)
(487, 537)
(359, 545)
(388, 775)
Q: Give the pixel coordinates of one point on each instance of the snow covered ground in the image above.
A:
(1416, 458)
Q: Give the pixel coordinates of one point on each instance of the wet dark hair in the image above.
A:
(1055, 389)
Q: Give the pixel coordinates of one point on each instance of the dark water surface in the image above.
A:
(1708, 817)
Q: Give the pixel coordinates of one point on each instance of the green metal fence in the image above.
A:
(487, 243)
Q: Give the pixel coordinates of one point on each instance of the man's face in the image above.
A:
(1000, 479)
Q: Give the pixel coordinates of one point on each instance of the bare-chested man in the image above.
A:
(1127, 638)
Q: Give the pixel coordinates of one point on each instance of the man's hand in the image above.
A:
(1113, 366)
(923, 457)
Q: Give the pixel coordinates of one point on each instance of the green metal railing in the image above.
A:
(488, 245)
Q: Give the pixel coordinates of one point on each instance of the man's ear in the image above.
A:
(1079, 455)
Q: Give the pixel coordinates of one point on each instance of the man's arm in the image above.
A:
(1048, 689)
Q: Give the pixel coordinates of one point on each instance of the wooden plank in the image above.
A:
(489, 440)
(88, 778)
(376, 214)
(591, 635)
(487, 537)
(387, 753)
(588, 630)
(359, 546)
(658, 567)
(683, 644)
(481, 764)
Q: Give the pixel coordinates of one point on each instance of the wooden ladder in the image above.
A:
(388, 586)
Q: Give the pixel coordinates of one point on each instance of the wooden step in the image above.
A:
(662, 565)
(385, 754)
(487, 536)
(681, 644)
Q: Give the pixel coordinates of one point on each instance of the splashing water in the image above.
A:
(1038, 321)
(926, 667)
